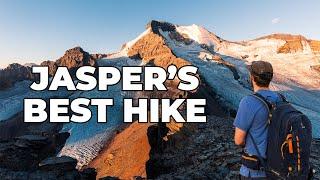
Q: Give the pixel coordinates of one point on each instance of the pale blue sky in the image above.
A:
(37, 30)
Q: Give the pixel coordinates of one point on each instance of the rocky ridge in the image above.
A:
(294, 43)
(72, 59)
(13, 73)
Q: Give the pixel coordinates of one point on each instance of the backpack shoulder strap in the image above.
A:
(263, 100)
(257, 149)
(282, 97)
(266, 103)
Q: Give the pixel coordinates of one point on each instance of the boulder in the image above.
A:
(63, 163)
(31, 141)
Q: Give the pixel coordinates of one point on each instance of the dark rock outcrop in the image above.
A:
(13, 73)
(62, 163)
(98, 56)
(164, 26)
(25, 152)
(33, 157)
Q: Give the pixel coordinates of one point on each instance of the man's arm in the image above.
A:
(243, 120)
(240, 137)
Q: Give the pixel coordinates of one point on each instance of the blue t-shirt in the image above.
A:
(252, 116)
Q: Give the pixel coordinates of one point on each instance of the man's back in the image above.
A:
(252, 117)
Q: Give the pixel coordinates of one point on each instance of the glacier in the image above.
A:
(87, 139)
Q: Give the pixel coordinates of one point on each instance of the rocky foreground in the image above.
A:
(207, 153)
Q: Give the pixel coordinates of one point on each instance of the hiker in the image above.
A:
(252, 117)
(276, 138)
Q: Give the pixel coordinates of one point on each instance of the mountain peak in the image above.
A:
(164, 26)
(76, 49)
(75, 57)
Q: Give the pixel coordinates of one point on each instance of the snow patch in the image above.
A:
(198, 34)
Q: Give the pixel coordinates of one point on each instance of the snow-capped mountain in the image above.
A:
(292, 57)
(222, 68)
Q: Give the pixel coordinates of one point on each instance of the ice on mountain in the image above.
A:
(11, 100)
(198, 34)
(293, 76)
(87, 139)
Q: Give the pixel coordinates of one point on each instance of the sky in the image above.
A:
(38, 30)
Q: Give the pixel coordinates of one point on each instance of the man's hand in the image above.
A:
(240, 137)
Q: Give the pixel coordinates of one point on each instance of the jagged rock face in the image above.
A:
(291, 47)
(315, 46)
(51, 65)
(75, 58)
(293, 43)
(153, 47)
(164, 26)
(13, 73)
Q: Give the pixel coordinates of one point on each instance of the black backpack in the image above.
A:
(289, 141)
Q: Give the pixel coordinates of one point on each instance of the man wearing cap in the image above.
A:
(252, 117)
